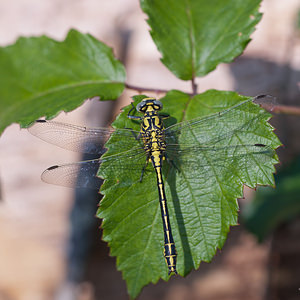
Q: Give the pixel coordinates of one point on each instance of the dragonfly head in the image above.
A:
(149, 104)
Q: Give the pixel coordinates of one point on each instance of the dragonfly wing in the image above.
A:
(215, 155)
(84, 174)
(78, 138)
(227, 143)
(128, 166)
(79, 175)
(230, 125)
(222, 162)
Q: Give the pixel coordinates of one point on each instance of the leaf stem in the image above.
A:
(275, 109)
(144, 89)
(194, 86)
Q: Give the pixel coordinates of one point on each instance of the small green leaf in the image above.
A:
(219, 152)
(41, 77)
(272, 207)
(194, 36)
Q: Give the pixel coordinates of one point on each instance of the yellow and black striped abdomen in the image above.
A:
(170, 253)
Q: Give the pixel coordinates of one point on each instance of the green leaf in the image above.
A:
(217, 157)
(194, 36)
(41, 77)
(272, 207)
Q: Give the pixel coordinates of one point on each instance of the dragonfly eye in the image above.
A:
(142, 106)
(157, 105)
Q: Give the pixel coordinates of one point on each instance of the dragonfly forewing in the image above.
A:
(217, 126)
(78, 138)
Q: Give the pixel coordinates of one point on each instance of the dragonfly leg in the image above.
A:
(130, 116)
(137, 137)
(164, 116)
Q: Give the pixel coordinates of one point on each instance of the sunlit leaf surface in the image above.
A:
(194, 36)
(41, 77)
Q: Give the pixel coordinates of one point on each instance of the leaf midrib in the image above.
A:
(191, 37)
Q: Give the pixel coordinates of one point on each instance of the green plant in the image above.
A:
(41, 77)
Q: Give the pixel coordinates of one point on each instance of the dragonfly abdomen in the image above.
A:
(170, 253)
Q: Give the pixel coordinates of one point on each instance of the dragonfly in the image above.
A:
(182, 145)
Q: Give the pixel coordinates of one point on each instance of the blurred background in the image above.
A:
(50, 247)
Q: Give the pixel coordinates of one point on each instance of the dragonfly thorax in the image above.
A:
(152, 127)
